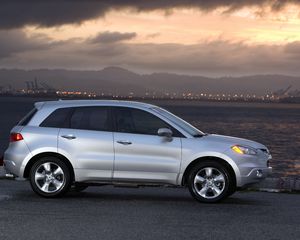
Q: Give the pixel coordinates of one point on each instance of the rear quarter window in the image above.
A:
(27, 118)
(57, 119)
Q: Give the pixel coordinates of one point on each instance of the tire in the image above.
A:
(210, 182)
(50, 177)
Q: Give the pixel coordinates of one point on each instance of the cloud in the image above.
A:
(153, 35)
(293, 49)
(112, 37)
(215, 58)
(19, 13)
(16, 41)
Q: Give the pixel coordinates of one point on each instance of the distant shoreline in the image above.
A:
(166, 101)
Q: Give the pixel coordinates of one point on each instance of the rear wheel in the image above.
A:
(210, 182)
(50, 177)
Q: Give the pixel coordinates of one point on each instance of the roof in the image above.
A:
(77, 103)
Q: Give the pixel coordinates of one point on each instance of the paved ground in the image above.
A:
(145, 213)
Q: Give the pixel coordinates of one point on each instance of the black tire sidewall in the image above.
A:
(212, 164)
(67, 177)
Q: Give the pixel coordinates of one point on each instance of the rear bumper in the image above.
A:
(10, 168)
(255, 175)
(14, 157)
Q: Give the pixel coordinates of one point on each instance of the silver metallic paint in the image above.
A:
(97, 156)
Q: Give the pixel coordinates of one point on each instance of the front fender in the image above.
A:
(206, 154)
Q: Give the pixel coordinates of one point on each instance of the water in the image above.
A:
(275, 125)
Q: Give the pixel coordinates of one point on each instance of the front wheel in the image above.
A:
(209, 182)
(50, 177)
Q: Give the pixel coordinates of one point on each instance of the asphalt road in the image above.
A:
(145, 213)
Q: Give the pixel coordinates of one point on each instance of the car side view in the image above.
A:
(68, 144)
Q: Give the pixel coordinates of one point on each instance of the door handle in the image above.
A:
(69, 137)
(124, 142)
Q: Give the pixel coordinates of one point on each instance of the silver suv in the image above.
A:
(73, 144)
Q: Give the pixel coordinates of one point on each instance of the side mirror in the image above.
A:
(165, 132)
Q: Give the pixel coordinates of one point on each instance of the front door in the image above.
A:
(140, 154)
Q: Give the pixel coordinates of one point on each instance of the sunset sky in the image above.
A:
(211, 38)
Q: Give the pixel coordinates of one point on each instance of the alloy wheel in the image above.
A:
(209, 182)
(49, 177)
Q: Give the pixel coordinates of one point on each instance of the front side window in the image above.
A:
(91, 118)
(179, 122)
(130, 120)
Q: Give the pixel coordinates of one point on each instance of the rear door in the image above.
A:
(88, 143)
(140, 154)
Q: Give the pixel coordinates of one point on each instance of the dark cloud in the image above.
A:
(18, 13)
(112, 37)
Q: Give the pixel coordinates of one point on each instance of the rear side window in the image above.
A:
(91, 118)
(57, 119)
(28, 117)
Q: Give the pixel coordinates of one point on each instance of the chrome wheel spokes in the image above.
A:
(199, 179)
(47, 167)
(49, 177)
(209, 182)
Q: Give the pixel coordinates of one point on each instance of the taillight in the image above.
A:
(14, 137)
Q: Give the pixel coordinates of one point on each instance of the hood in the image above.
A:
(234, 141)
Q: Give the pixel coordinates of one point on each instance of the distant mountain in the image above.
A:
(121, 81)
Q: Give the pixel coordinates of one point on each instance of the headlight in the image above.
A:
(244, 150)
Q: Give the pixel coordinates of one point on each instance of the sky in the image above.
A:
(196, 37)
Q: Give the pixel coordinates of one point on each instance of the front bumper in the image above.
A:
(255, 175)
(250, 169)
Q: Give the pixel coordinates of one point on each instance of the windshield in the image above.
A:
(179, 122)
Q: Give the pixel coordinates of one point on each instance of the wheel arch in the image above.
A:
(209, 158)
(35, 158)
